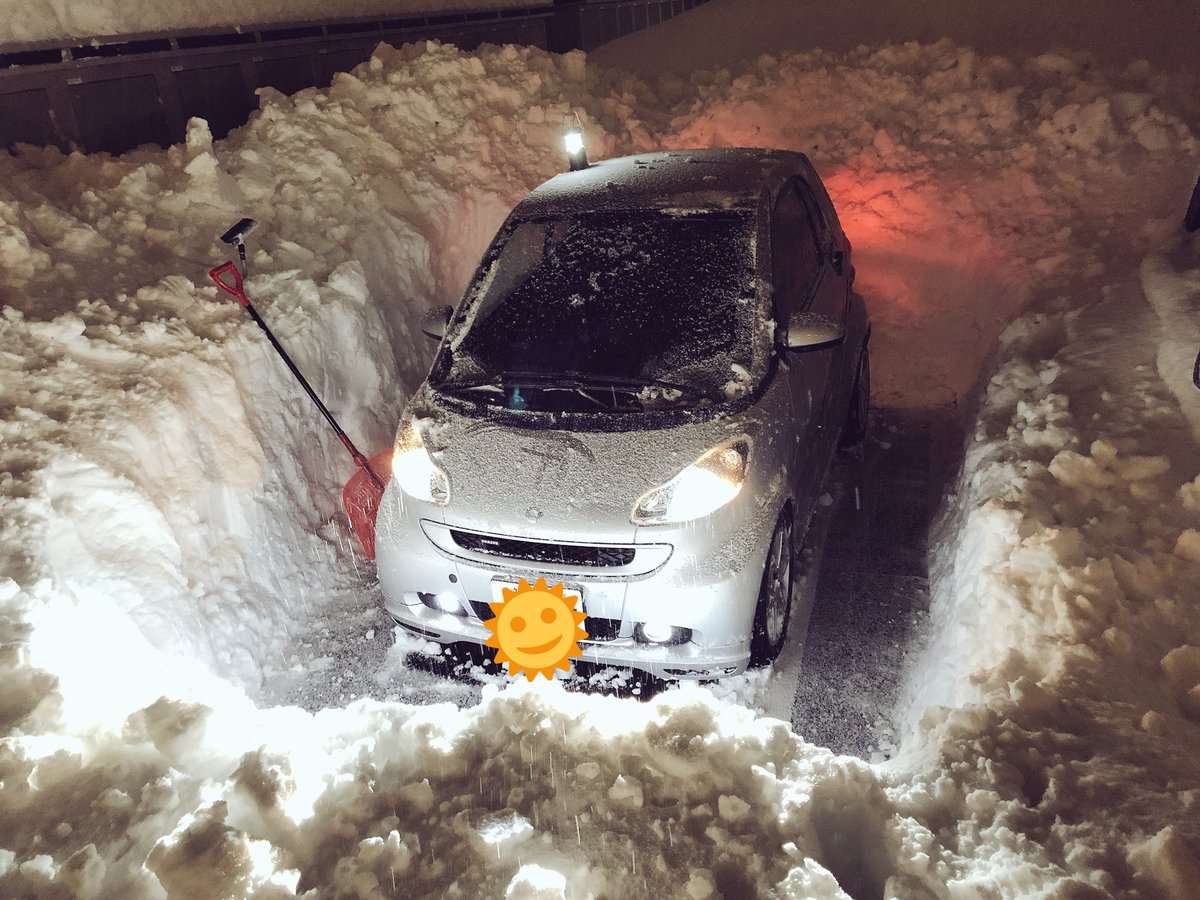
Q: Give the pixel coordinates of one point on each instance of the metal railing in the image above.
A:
(587, 24)
(142, 89)
(113, 94)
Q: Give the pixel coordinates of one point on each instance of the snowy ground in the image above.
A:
(871, 583)
(173, 568)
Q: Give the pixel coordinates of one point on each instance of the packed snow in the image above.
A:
(172, 546)
(29, 21)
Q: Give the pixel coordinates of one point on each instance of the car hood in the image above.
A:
(561, 484)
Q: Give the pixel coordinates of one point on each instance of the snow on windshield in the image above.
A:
(616, 295)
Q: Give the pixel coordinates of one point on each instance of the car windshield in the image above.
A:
(631, 309)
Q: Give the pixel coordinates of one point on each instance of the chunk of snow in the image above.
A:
(500, 834)
(534, 882)
(626, 791)
(700, 885)
(1165, 861)
(1187, 545)
(732, 809)
(1182, 666)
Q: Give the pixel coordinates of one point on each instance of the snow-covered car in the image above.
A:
(638, 397)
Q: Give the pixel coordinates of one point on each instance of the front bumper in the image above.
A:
(705, 579)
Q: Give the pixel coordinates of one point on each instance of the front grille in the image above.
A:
(598, 629)
(597, 557)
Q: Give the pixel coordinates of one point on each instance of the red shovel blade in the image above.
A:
(361, 497)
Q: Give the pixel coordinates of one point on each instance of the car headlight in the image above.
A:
(700, 489)
(415, 471)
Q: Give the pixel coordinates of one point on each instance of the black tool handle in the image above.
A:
(359, 459)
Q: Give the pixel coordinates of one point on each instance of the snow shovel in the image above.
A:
(362, 493)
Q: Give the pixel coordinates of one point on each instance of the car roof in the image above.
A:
(728, 178)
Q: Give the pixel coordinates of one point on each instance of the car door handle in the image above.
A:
(838, 260)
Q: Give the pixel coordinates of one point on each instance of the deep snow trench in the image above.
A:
(172, 550)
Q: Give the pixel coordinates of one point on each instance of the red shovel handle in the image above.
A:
(232, 288)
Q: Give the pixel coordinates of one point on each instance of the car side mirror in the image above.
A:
(436, 321)
(813, 331)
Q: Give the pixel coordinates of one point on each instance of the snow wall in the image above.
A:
(168, 500)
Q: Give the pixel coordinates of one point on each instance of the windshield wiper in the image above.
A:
(578, 380)
(489, 384)
(497, 386)
(590, 387)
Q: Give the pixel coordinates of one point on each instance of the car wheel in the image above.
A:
(854, 433)
(774, 596)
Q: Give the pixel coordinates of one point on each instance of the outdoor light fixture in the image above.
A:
(573, 142)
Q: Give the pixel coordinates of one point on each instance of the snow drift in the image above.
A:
(1073, 537)
(169, 519)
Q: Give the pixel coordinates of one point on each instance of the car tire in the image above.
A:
(854, 432)
(774, 608)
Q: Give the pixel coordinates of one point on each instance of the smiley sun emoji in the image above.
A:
(536, 629)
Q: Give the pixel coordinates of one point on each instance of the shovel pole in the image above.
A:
(229, 279)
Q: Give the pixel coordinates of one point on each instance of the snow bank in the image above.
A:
(190, 488)
(1171, 280)
(167, 503)
(1066, 645)
(23, 21)
(534, 789)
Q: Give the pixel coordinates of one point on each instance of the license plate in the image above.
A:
(570, 592)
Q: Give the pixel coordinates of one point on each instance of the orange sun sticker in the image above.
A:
(536, 629)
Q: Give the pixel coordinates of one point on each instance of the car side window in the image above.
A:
(820, 226)
(795, 253)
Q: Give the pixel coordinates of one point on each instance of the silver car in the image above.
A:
(638, 397)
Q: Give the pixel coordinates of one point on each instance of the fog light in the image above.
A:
(443, 601)
(652, 633)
